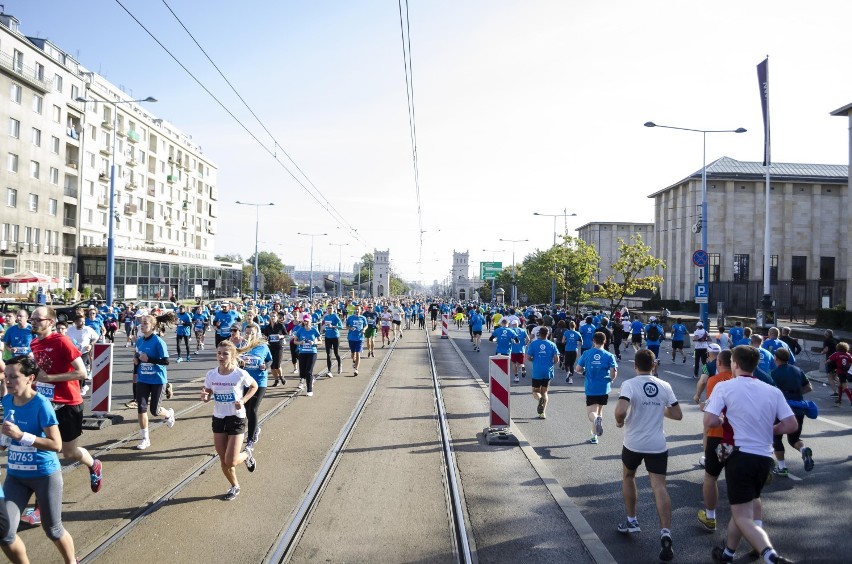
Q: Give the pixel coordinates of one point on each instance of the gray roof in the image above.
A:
(842, 111)
(727, 168)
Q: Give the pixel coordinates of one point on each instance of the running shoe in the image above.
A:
(96, 476)
(295, 371)
(251, 463)
(301, 385)
(599, 426)
(684, 360)
(256, 437)
(542, 415)
(131, 404)
(356, 372)
(232, 493)
(145, 443)
(781, 472)
(629, 526)
(310, 394)
(523, 371)
(84, 390)
(187, 359)
(718, 555)
(708, 522)
(170, 420)
(32, 516)
(169, 390)
(179, 359)
(808, 457)
(275, 383)
(329, 374)
(570, 380)
(666, 552)
(701, 461)
(540, 409)
(517, 379)
(592, 441)
(835, 394)
(339, 369)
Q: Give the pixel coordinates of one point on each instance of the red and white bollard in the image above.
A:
(500, 393)
(445, 326)
(102, 379)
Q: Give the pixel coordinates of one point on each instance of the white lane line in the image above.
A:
(678, 375)
(835, 423)
(794, 478)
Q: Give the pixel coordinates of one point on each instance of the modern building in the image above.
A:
(69, 129)
(604, 237)
(846, 111)
(463, 286)
(809, 244)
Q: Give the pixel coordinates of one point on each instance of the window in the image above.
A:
(39, 71)
(57, 82)
(54, 145)
(799, 268)
(75, 92)
(17, 61)
(12, 162)
(54, 176)
(773, 269)
(741, 268)
(11, 197)
(36, 137)
(57, 114)
(52, 206)
(89, 216)
(15, 93)
(103, 218)
(715, 267)
(38, 104)
(35, 169)
(14, 128)
(826, 268)
(33, 203)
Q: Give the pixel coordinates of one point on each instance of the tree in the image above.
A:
(575, 263)
(634, 260)
(272, 268)
(534, 279)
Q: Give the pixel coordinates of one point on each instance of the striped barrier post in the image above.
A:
(102, 379)
(445, 326)
(500, 393)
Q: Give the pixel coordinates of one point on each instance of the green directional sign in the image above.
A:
(489, 270)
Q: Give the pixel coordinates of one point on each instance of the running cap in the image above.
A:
(714, 348)
(306, 317)
(653, 318)
(699, 324)
(514, 322)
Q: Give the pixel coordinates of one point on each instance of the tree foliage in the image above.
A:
(535, 277)
(575, 263)
(637, 270)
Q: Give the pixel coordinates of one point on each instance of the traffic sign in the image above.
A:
(699, 258)
(702, 293)
(489, 270)
(700, 275)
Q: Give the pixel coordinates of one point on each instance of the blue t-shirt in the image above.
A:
(765, 365)
(252, 360)
(636, 327)
(311, 335)
(97, 323)
(678, 332)
(154, 347)
(587, 332)
(331, 324)
(198, 321)
(542, 352)
(572, 340)
(356, 325)
(736, 334)
(596, 364)
(32, 417)
(655, 342)
(504, 337)
(521, 335)
(476, 321)
(17, 340)
(225, 320)
(773, 345)
(183, 324)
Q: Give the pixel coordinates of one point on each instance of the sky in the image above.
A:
(520, 107)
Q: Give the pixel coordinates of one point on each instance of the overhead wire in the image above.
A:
(273, 153)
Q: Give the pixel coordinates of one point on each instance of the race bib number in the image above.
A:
(45, 389)
(274, 338)
(225, 398)
(146, 368)
(306, 348)
(22, 458)
(328, 324)
(18, 351)
(252, 362)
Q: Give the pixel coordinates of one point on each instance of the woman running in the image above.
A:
(255, 357)
(230, 388)
(33, 465)
(332, 325)
(306, 336)
(275, 333)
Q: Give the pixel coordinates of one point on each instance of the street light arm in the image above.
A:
(738, 130)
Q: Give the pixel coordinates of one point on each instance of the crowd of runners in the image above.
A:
(753, 393)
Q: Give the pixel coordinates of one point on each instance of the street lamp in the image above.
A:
(311, 288)
(339, 265)
(703, 132)
(493, 280)
(514, 285)
(256, 229)
(110, 258)
(565, 215)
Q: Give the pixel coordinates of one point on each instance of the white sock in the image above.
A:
(782, 464)
(629, 518)
(144, 434)
(711, 513)
(758, 523)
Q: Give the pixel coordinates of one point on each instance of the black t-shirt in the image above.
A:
(831, 343)
(274, 334)
(371, 317)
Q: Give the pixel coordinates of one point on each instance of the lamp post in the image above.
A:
(493, 280)
(565, 215)
(109, 289)
(514, 285)
(256, 230)
(340, 265)
(311, 288)
(703, 224)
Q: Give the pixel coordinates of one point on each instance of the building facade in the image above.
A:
(809, 246)
(604, 238)
(381, 274)
(846, 111)
(463, 287)
(75, 139)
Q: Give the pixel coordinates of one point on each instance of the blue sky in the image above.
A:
(522, 106)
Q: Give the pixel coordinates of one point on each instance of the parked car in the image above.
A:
(153, 305)
(66, 312)
(13, 307)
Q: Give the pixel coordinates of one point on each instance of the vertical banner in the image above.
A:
(763, 82)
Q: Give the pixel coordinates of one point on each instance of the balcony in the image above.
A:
(54, 250)
(69, 221)
(69, 251)
(103, 177)
(26, 74)
(107, 125)
(132, 136)
(103, 202)
(152, 192)
(132, 162)
(120, 132)
(131, 186)
(184, 226)
(105, 151)
(72, 164)
(130, 209)
(72, 133)
(171, 160)
(71, 191)
(171, 179)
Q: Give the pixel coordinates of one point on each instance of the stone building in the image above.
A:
(463, 286)
(604, 238)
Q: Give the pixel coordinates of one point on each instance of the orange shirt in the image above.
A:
(711, 383)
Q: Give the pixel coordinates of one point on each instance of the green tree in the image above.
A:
(575, 263)
(535, 276)
(637, 269)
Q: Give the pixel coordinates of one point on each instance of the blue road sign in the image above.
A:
(699, 258)
(702, 293)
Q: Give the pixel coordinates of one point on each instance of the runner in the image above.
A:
(572, 339)
(256, 358)
(643, 402)
(370, 330)
(793, 384)
(127, 319)
(183, 324)
(679, 331)
(33, 465)
(713, 438)
(332, 325)
(518, 348)
(230, 388)
(199, 326)
(223, 320)
(358, 326)
(149, 367)
(433, 314)
(476, 320)
(306, 336)
(386, 320)
(543, 354)
(654, 335)
(16, 339)
(397, 313)
(504, 337)
(700, 342)
(558, 337)
(58, 380)
(600, 369)
(275, 333)
(587, 332)
(839, 363)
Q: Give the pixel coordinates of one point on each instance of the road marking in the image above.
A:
(794, 478)
(678, 375)
(835, 423)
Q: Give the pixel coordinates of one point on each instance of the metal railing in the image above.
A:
(24, 73)
(793, 298)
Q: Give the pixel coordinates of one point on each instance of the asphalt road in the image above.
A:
(797, 510)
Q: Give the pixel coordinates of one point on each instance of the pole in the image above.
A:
(110, 258)
(553, 281)
(256, 232)
(703, 307)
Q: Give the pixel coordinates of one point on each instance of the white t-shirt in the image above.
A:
(643, 427)
(227, 389)
(698, 339)
(626, 325)
(387, 317)
(83, 337)
(753, 406)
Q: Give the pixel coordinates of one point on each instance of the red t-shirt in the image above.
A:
(842, 362)
(54, 354)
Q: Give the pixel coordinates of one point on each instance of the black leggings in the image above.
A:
(306, 368)
(252, 407)
(185, 339)
(700, 357)
(332, 343)
(294, 352)
(110, 334)
(570, 361)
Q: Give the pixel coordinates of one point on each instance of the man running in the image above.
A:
(543, 354)
(476, 320)
(713, 438)
(357, 324)
(370, 330)
(793, 384)
(601, 369)
(518, 348)
(679, 332)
